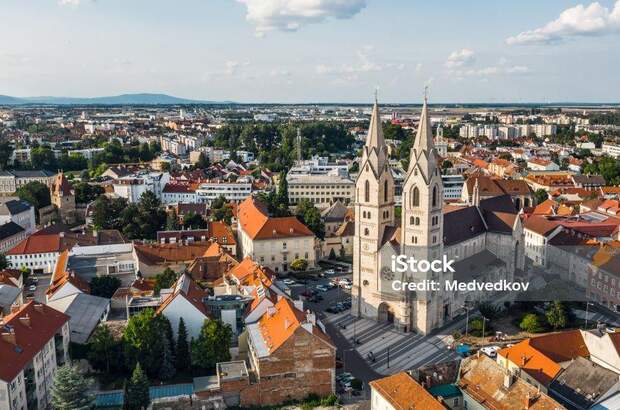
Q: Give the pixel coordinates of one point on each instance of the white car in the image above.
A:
(490, 351)
(330, 272)
(344, 281)
(289, 281)
(32, 288)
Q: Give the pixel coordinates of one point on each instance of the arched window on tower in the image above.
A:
(415, 197)
(435, 193)
(385, 191)
(367, 191)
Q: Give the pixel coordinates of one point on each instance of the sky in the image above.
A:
(314, 50)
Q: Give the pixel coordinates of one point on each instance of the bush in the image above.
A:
(531, 323)
(299, 265)
(476, 325)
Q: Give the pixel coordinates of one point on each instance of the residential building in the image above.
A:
(487, 385)
(34, 341)
(273, 242)
(20, 212)
(235, 192)
(613, 150)
(86, 313)
(401, 391)
(489, 187)
(185, 301)
(541, 164)
(11, 181)
(215, 231)
(10, 235)
(452, 187)
(290, 356)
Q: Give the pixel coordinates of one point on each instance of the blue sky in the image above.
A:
(313, 50)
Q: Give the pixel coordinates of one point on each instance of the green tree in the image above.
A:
(194, 221)
(85, 192)
(446, 164)
(43, 158)
(36, 194)
(71, 391)
(183, 359)
(299, 264)
(172, 221)
(104, 286)
(530, 323)
(137, 395)
(556, 315)
(282, 195)
(540, 196)
(203, 161)
(102, 348)
(142, 341)
(165, 280)
(311, 217)
(212, 345)
(3, 262)
(167, 369)
(107, 213)
(6, 151)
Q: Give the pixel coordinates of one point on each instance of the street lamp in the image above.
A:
(466, 307)
(587, 306)
(484, 320)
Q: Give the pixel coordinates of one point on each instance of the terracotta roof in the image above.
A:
(61, 186)
(32, 326)
(256, 222)
(278, 326)
(541, 225)
(154, 254)
(404, 393)
(533, 362)
(186, 288)
(61, 276)
(45, 243)
(250, 273)
(483, 380)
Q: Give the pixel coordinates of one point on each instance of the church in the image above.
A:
(482, 236)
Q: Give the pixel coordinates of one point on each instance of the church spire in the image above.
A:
(424, 137)
(374, 139)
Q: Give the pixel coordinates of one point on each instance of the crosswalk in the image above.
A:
(394, 351)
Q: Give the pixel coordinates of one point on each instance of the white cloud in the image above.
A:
(489, 71)
(460, 58)
(578, 21)
(69, 2)
(365, 64)
(290, 15)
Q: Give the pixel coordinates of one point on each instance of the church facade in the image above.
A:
(483, 232)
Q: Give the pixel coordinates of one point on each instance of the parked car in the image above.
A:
(289, 281)
(32, 288)
(490, 351)
(322, 288)
(330, 272)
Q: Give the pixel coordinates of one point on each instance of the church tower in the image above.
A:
(374, 214)
(422, 225)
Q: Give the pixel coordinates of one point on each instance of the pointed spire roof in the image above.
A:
(424, 137)
(375, 139)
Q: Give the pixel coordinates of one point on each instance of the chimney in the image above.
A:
(25, 320)
(271, 310)
(61, 234)
(9, 337)
(523, 360)
(529, 401)
(311, 317)
(508, 380)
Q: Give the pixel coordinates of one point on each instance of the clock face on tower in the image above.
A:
(386, 273)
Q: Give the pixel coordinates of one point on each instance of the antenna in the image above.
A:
(376, 94)
(426, 93)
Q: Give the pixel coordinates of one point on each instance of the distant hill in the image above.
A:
(6, 100)
(124, 99)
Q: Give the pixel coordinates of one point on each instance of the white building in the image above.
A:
(131, 187)
(18, 211)
(452, 186)
(185, 301)
(39, 253)
(178, 193)
(273, 242)
(232, 191)
(87, 153)
(612, 150)
(33, 343)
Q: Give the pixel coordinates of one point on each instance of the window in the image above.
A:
(435, 191)
(415, 197)
(417, 221)
(367, 191)
(366, 231)
(385, 191)
(411, 220)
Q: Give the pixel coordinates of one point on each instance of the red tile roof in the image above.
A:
(32, 327)
(186, 288)
(404, 393)
(256, 222)
(61, 276)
